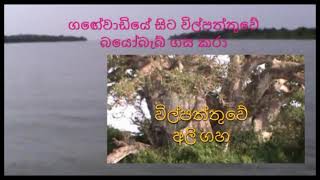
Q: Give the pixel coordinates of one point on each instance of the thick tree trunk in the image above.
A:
(162, 131)
(199, 126)
(236, 89)
(263, 95)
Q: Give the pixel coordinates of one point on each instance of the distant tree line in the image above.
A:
(40, 38)
(266, 33)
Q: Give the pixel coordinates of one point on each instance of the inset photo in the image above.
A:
(237, 108)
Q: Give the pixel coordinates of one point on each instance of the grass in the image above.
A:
(247, 150)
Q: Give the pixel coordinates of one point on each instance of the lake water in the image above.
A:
(55, 101)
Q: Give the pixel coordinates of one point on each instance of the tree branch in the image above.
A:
(124, 150)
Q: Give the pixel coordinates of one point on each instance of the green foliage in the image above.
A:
(292, 58)
(198, 153)
(112, 133)
(278, 150)
(185, 83)
(125, 88)
(244, 148)
(199, 75)
(289, 129)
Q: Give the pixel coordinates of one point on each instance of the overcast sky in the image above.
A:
(53, 19)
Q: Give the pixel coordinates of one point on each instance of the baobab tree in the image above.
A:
(264, 83)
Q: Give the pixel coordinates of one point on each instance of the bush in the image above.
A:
(112, 133)
(244, 148)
